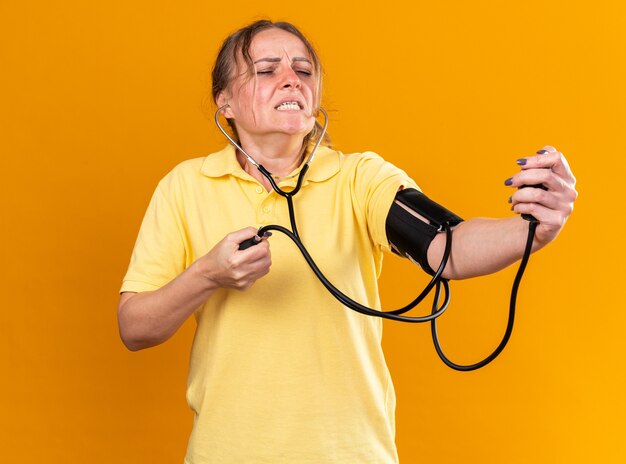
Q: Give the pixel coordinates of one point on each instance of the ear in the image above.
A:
(222, 99)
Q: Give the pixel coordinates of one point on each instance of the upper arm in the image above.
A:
(375, 185)
(124, 298)
(160, 252)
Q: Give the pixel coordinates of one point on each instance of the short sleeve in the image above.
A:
(376, 183)
(159, 253)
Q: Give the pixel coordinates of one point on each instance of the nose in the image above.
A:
(291, 80)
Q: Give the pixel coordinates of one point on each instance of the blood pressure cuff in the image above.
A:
(413, 222)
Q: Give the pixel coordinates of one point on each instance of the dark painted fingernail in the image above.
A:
(521, 162)
(542, 152)
(267, 234)
(509, 181)
(510, 200)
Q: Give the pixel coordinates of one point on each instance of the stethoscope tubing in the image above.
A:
(262, 169)
(511, 318)
(436, 282)
(395, 315)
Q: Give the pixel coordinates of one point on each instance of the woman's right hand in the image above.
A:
(227, 266)
(149, 318)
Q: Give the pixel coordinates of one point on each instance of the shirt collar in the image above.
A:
(325, 164)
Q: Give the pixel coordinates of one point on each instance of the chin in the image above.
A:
(296, 129)
(307, 125)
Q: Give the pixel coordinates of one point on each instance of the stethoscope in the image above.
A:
(436, 282)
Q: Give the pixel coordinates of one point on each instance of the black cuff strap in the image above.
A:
(408, 234)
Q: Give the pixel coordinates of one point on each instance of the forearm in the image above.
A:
(149, 318)
(481, 246)
(484, 246)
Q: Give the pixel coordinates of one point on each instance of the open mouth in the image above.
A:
(289, 106)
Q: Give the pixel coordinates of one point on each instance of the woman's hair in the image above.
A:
(238, 45)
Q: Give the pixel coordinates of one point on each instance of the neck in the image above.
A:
(280, 156)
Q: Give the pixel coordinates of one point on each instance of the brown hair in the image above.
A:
(238, 44)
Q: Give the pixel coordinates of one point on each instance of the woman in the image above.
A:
(280, 371)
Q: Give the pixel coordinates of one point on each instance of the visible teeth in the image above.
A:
(288, 106)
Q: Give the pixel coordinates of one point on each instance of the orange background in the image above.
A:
(100, 100)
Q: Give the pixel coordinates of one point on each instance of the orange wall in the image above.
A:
(99, 100)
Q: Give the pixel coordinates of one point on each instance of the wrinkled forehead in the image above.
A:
(276, 45)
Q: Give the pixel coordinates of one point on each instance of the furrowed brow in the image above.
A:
(268, 60)
(278, 60)
(301, 58)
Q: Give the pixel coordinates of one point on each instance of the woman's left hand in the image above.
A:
(549, 195)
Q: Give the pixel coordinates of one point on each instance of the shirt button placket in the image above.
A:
(266, 210)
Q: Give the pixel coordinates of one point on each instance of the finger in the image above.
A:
(243, 239)
(252, 271)
(531, 177)
(548, 158)
(253, 253)
(261, 249)
(551, 218)
(548, 149)
(540, 196)
(261, 266)
(259, 238)
(239, 236)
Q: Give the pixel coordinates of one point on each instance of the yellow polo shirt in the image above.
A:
(281, 372)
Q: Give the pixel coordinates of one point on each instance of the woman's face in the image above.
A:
(279, 98)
